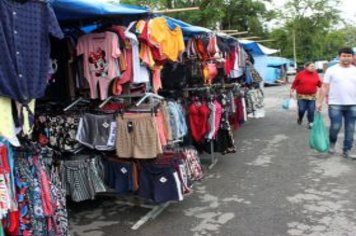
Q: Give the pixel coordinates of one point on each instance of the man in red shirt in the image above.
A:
(306, 85)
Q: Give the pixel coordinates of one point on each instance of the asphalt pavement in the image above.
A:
(274, 185)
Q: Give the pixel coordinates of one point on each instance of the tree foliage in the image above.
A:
(312, 22)
(243, 15)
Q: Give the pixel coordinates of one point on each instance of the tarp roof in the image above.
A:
(269, 67)
(187, 29)
(256, 48)
(85, 9)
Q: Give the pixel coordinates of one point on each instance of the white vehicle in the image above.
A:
(321, 65)
(291, 70)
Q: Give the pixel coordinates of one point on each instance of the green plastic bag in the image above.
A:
(318, 136)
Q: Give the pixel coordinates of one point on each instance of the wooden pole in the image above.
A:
(252, 37)
(229, 31)
(175, 10)
(239, 33)
(265, 40)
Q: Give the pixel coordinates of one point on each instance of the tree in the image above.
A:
(243, 15)
(311, 21)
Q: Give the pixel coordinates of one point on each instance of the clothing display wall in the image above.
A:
(124, 108)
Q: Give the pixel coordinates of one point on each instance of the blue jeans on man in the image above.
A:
(305, 105)
(337, 113)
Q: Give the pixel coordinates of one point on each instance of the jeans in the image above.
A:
(306, 105)
(336, 113)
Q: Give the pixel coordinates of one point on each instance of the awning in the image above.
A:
(86, 9)
(188, 29)
(256, 48)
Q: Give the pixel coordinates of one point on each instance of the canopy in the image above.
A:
(271, 68)
(84, 9)
(256, 48)
(187, 29)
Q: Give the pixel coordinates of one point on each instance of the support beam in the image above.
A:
(251, 37)
(229, 31)
(265, 40)
(175, 10)
(239, 33)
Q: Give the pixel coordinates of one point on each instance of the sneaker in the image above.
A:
(332, 148)
(299, 121)
(348, 155)
(310, 126)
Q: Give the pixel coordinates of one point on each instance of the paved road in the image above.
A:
(274, 185)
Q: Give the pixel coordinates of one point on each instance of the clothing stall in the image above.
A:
(106, 98)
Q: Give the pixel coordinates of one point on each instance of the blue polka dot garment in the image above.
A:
(24, 42)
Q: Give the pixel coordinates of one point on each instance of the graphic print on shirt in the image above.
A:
(98, 63)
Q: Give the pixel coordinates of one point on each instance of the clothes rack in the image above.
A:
(213, 159)
(128, 96)
(75, 103)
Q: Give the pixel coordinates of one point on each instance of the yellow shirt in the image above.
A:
(171, 42)
(7, 124)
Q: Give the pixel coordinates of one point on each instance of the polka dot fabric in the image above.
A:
(24, 40)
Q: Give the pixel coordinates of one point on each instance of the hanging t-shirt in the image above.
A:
(342, 83)
(100, 51)
(7, 124)
(171, 42)
(25, 48)
(237, 71)
(140, 73)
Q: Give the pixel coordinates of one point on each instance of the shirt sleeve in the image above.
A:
(53, 26)
(327, 76)
(80, 46)
(115, 46)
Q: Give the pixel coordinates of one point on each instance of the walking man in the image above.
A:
(339, 89)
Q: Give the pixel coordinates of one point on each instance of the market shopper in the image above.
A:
(306, 85)
(339, 89)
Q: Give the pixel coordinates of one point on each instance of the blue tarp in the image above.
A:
(87, 9)
(84, 9)
(270, 67)
(187, 29)
(256, 49)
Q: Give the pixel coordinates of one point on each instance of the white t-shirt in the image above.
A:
(342, 83)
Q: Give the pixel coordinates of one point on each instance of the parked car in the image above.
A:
(291, 70)
(320, 65)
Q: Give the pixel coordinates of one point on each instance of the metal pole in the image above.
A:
(294, 50)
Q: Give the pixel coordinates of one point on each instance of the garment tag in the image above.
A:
(130, 126)
(106, 125)
(112, 135)
(163, 180)
(123, 170)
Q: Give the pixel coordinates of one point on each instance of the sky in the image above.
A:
(348, 9)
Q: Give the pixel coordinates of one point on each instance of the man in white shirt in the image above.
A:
(339, 88)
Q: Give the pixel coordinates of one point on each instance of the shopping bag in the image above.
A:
(318, 136)
(292, 106)
(285, 104)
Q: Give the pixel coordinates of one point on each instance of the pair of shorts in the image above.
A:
(137, 136)
(159, 183)
(97, 131)
(121, 175)
(82, 178)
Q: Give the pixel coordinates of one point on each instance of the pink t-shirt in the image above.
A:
(100, 51)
